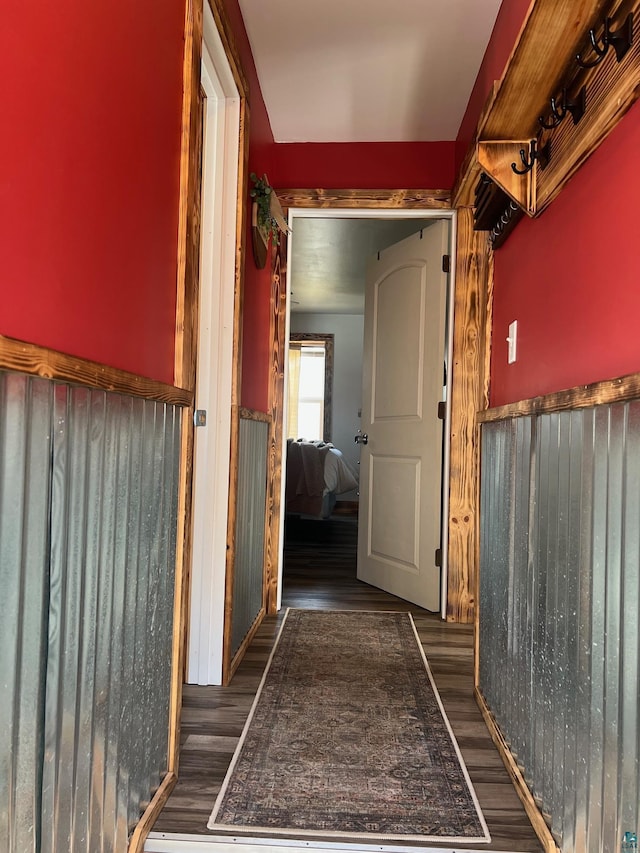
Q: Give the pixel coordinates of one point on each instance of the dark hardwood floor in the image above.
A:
(320, 572)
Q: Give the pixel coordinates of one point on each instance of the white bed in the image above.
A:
(316, 473)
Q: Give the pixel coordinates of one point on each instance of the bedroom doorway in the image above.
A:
(327, 256)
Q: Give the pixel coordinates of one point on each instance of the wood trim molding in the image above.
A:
(252, 415)
(469, 388)
(237, 658)
(469, 374)
(277, 328)
(231, 545)
(32, 359)
(186, 334)
(365, 199)
(608, 391)
(230, 47)
(526, 797)
(182, 587)
(145, 824)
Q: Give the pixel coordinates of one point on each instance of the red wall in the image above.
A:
(256, 348)
(365, 165)
(572, 280)
(91, 109)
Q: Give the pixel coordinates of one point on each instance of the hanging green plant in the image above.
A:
(267, 219)
(261, 194)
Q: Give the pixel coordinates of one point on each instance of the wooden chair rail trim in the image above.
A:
(22, 357)
(522, 790)
(617, 390)
(368, 199)
(144, 825)
(253, 415)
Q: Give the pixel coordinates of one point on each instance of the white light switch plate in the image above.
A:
(512, 340)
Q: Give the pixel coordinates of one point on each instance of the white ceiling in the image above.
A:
(367, 70)
(329, 260)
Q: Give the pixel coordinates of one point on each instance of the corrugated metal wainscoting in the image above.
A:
(559, 603)
(88, 502)
(248, 577)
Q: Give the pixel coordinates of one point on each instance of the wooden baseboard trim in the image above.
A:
(144, 825)
(237, 658)
(522, 789)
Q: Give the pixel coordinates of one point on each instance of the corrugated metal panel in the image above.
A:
(107, 486)
(25, 474)
(566, 692)
(250, 528)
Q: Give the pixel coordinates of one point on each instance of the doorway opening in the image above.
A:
(328, 251)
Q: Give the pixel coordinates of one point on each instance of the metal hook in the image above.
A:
(527, 163)
(621, 39)
(559, 110)
(542, 154)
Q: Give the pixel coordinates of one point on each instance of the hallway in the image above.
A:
(320, 573)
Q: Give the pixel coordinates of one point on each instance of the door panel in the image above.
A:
(401, 466)
(393, 531)
(398, 323)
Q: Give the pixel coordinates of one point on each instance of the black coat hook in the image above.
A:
(621, 39)
(559, 111)
(541, 153)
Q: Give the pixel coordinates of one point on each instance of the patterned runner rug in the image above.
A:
(347, 738)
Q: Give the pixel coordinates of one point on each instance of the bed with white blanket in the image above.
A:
(316, 473)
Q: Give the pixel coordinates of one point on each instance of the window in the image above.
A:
(310, 382)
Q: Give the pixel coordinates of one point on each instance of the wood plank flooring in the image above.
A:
(320, 573)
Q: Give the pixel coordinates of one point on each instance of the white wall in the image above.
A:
(348, 330)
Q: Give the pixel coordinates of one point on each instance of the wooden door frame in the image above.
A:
(469, 381)
(186, 335)
(221, 100)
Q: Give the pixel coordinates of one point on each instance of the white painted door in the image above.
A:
(401, 463)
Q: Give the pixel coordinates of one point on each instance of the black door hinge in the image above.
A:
(439, 558)
(446, 263)
(441, 410)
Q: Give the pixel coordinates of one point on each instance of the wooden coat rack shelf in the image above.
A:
(572, 76)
